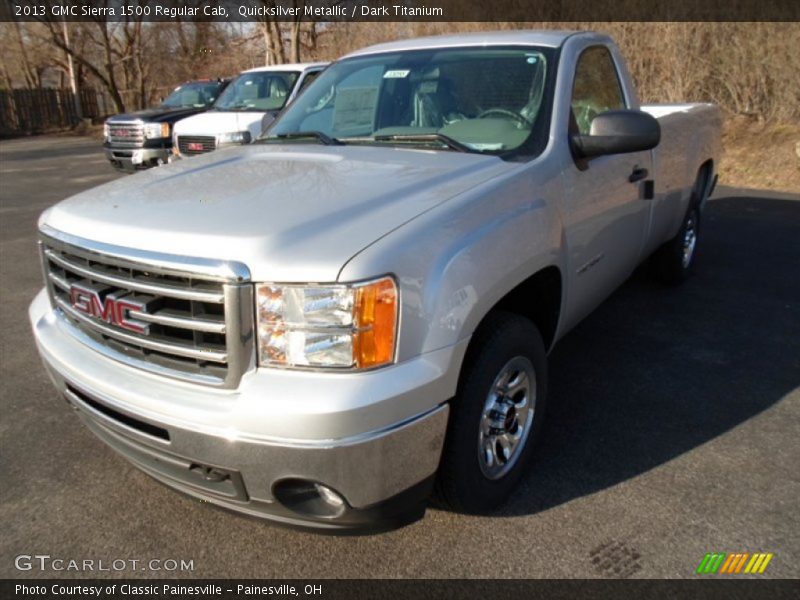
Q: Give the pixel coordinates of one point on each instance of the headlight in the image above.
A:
(156, 130)
(340, 326)
(106, 130)
(236, 137)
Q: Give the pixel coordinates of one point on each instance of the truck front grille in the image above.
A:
(196, 144)
(128, 135)
(180, 323)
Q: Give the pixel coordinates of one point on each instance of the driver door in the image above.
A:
(605, 214)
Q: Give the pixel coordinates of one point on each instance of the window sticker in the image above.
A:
(354, 108)
(396, 74)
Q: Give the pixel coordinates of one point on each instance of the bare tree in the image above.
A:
(98, 59)
(7, 82)
(288, 41)
(747, 68)
(31, 75)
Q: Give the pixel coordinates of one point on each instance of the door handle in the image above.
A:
(638, 174)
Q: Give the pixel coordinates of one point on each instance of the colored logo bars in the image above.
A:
(741, 562)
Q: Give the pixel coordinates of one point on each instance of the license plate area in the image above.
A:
(180, 471)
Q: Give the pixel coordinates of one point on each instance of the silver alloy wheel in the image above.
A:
(689, 241)
(507, 418)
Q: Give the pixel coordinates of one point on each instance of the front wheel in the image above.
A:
(496, 416)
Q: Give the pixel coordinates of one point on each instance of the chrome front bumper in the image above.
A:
(134, 159)
(384, 474)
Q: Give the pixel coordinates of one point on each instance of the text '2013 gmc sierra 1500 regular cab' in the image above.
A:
(325, 326)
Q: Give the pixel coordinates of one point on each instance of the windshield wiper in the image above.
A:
(324, 138)
(425, 137)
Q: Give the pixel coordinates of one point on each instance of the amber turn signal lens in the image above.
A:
(376, 323)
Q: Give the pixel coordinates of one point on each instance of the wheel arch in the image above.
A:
(537, 298)
(704, 181)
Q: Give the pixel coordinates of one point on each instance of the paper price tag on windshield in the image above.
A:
(354, 109)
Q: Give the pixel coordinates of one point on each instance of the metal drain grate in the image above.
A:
(615, 559)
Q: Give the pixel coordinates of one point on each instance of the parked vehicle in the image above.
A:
(143, 139)
(246, 109)
(322, 327)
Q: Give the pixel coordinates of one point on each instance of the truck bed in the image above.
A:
(688, 131)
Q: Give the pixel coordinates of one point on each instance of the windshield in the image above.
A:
(258, 91)
(468, 99)
(196, 95)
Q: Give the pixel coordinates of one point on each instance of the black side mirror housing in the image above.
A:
(618, 132)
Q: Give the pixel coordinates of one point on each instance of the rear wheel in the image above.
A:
(496, 417)
(674, 261)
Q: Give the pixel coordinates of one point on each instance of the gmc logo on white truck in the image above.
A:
(113, 308)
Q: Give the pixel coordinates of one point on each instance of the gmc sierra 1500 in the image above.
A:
(322, 327)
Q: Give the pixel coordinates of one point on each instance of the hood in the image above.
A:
(290, 212)
(214, 122)
(158, 114)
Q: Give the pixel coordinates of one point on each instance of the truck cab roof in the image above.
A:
(529, 37)
(289, 67)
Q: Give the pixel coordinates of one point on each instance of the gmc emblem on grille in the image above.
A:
(111, 307)
(194, 146)
(120, 132)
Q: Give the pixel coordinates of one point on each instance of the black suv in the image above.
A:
(143, 139)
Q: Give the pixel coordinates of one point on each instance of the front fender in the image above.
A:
(455, 262)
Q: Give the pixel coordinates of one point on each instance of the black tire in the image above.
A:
(671, 266)
(461, 484)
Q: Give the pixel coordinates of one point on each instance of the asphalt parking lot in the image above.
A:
(674, 428)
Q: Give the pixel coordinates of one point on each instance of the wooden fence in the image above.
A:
(26, 111)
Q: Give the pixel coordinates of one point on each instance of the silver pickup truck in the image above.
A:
(326, 326)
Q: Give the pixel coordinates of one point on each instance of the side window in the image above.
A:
(308, 79)
(596, 88)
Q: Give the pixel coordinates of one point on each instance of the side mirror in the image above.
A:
(617, 132)
(267, 120)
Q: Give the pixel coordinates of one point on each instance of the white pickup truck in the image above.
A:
(323, 327)
(244, 110)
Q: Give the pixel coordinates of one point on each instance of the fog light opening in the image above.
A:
(310, 498)
(329, 496)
